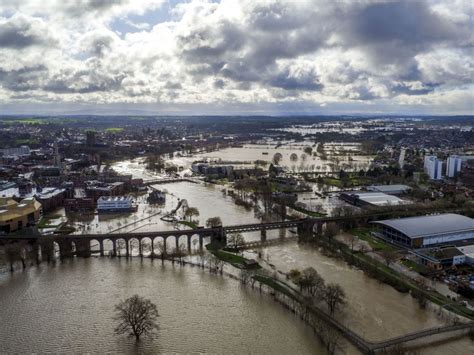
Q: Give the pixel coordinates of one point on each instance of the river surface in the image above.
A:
(374, 310)
(68, 308)
(346, 155)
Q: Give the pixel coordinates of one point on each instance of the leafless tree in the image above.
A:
(46, 244)
(136, 316)
(334, 296)
(331, 230)
(214, 222)
(120, 244)
(235, 240)
(389, 256)
(161, 249)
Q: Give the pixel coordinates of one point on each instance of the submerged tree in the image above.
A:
(214, 222)
(136, 316)
(334, 296)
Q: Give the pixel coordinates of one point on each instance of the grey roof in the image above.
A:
(414, 227)
(389, 188)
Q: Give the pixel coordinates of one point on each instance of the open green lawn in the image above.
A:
(413, 265)
(114, 130)
(308, 212)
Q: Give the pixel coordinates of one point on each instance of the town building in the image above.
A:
(394, 189)
(358, 198)
(17, 215)
(433, 167)
(50, 198)
(22, 151)
(115, 204)
(96, 189)
(453, 166)
(440, 258)
(79, 204)
(427, 231)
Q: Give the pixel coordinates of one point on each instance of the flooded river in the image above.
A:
(69, 309)
(374, 310)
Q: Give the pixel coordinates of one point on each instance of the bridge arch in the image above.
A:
(134, 246)
(159, 245)
(171, 243)
(146, 246)
(95, 246)
(194, 242)
(121, 246)
(108, 246)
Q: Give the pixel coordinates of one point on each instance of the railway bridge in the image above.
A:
(80, 244)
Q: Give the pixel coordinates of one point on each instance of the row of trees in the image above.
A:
(313, 285)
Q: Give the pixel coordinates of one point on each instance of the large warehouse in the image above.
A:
(425, 231)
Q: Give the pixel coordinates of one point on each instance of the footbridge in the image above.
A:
(404, 339)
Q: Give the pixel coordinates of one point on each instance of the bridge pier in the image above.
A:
(177, 243)
(101, 246)
(201, 242)
(83, 248)
(305, 230)
(114, 247)
(319, 228)
(152, 247)
(263, 235)
(65, 249)
(189, 244)
(140, 248)
(127, 247)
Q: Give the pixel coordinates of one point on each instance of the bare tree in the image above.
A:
(12, 254)
(331, 230)
(214, 222)
(389, 256)
(235, 240)
(334, 296)
(120, 244)
(46, 244)
(136, 316)
(191, 212)
(277, 158)
(331, 338)
(161, 246)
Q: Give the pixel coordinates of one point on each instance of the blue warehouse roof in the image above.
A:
(414, 227)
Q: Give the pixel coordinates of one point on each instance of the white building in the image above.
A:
(16, 152)
(433, 167)
(401, 159)
(453, 166)
(115, 204)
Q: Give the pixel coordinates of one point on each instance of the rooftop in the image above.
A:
(414, 227)
(389, 188)
(378, 198)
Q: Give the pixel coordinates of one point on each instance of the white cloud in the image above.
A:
(303, 53)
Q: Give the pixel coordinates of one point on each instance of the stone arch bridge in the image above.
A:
(80, 244)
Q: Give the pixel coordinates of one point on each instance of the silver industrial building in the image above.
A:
(427, 231)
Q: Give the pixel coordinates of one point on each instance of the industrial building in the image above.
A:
(358, 198)
(16, 215)
(395, 189)
(427, 231)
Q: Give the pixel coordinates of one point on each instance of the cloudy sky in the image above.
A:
(242, 56)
